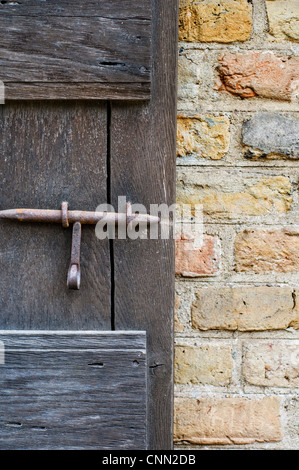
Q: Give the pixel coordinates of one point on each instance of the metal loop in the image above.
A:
(74, 276)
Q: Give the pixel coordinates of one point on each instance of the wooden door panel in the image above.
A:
(72, 390)
(69, 146)
(65, 49)
(52, 153)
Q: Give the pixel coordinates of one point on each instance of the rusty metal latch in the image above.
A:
(74, 275)
(77, 218)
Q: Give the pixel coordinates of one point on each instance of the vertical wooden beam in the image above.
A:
(143, 141)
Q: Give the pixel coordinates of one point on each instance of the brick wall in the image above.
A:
(237, 294)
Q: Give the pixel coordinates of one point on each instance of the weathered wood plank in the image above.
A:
(53, 398)
(51, 153)
(80, 91)
(123, 9)
(102, 50)
(143, 141)
(64, 340)
(110, 47)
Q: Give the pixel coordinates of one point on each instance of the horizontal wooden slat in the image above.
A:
(62, 390)
(74, 8)
(102, 51)
(81, 91)
(30, 339)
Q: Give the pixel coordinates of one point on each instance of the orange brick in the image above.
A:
(259, 74)
(227, 421)
(193, 261)
(260, 250)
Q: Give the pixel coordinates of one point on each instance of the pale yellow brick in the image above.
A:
(219, 197)
(215, 20)
(245, 308)
(271, 363)
(206, 136)
(283, 18)
(203, 364)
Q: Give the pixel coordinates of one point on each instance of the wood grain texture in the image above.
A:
(79, 91)
(90, 48)
(60, 339)
(143, 141)
(51, 153)
(58, 151)
(125, 9)
(58, 395)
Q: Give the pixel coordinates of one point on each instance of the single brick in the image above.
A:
(195, 261)
(271, 136)
(215, 20)
(229, 195)
(271, 364)
(246, 308)
(259, 74)
(260, 250)
(203, 364)
(205, 136)
(227, 421)
(284, 20)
